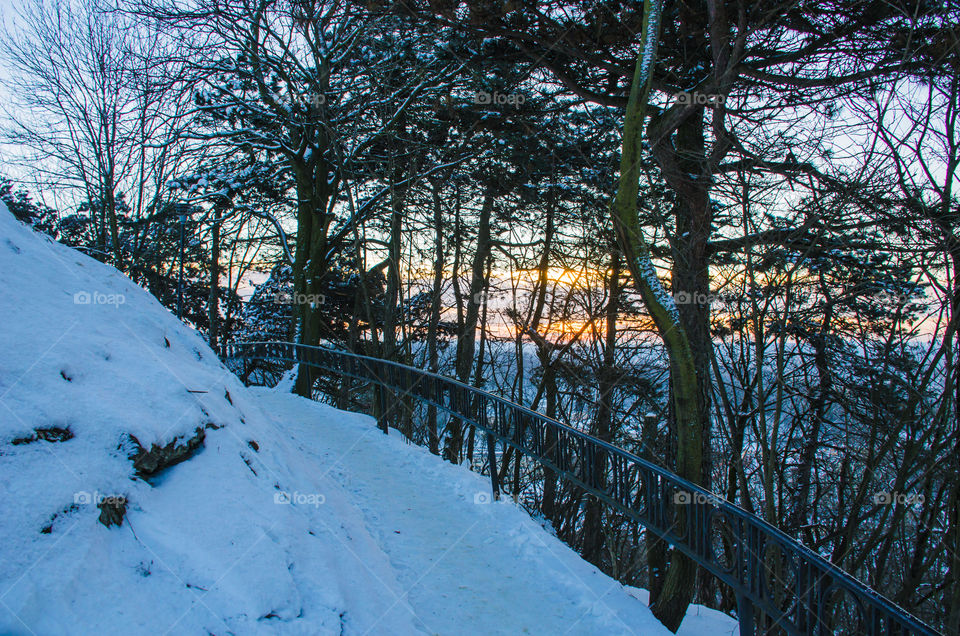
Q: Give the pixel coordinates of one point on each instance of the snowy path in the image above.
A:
(465, 567)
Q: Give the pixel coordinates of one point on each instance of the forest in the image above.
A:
(721, 235)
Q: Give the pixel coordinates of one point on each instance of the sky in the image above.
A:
(8, 10)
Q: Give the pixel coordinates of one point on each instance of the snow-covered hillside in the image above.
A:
(240, 510)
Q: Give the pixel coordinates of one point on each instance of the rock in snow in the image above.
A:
(145, 490)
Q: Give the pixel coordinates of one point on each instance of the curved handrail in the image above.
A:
(640, 490)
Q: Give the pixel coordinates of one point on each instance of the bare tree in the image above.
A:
(90, 115)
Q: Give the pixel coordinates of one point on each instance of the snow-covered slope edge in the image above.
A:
(204, 548)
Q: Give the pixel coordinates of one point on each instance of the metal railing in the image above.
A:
(781, 585)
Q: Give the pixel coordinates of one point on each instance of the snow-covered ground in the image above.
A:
(290, 517)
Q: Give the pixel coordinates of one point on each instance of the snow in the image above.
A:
(699, 620)
(293, 518)
(650, 40)
(665, 300)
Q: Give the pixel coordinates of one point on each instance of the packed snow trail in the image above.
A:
(467, 565)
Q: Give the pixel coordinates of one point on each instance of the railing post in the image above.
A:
(492, 460)
(750, 545)
(745, 615)
(381, 398)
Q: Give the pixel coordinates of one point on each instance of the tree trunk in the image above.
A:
(310, 260)
(213, 303)
(549, 504)
(680, 578)
(593, 536)
(391, 313)
(433, 357)
(811, 442)
(466, 339)
(478, 379)
(951, 596)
